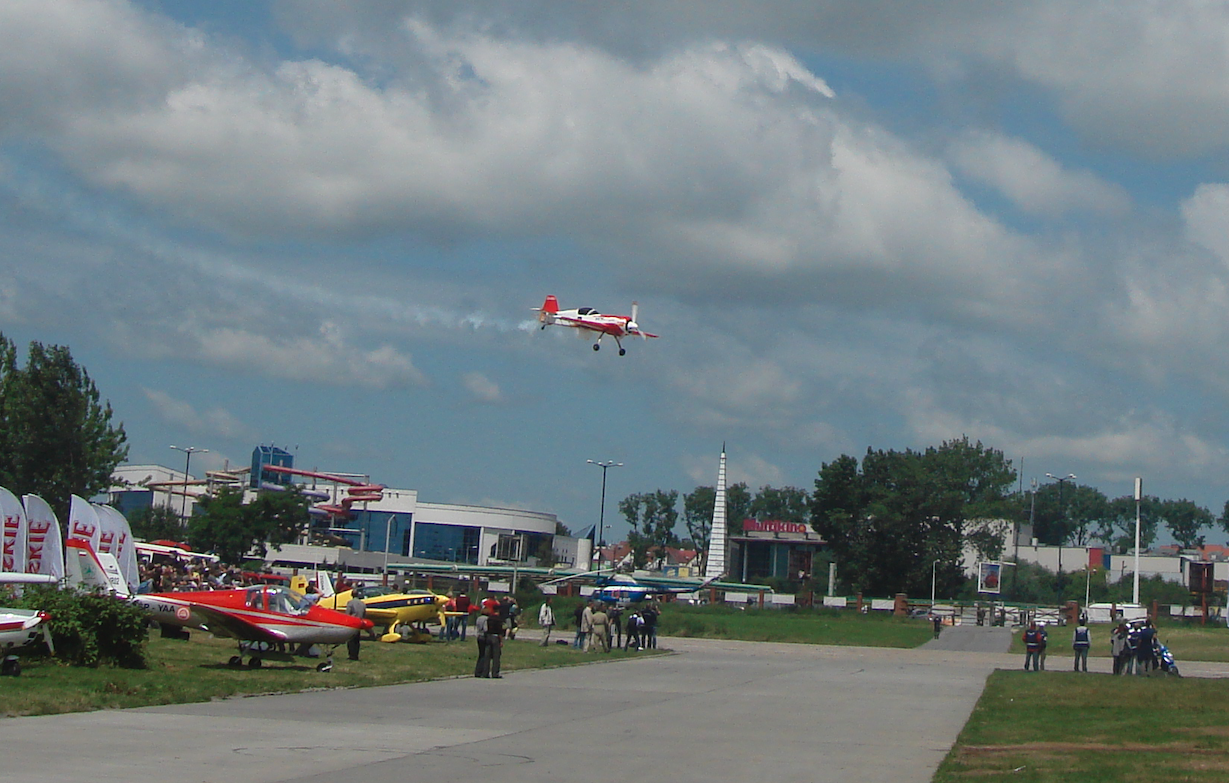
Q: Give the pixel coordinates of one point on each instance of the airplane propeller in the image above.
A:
(632, 326)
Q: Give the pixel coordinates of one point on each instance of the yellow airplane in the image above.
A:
(386, 607)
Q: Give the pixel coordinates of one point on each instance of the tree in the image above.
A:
(698, 508)
(56, 436)
(737, 507)
(233, 531)
(1184, 520)
(784, 504)
(1121, 530)
(892, 518)
(156, 522)
(652, 517)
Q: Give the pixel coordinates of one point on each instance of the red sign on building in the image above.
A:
(773, 526)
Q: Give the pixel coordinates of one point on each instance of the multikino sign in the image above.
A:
(772, 526)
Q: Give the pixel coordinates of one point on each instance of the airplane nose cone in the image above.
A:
(632, 326)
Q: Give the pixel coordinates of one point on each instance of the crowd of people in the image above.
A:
(598, 628)
(177, 576)
(1134, 647)
(603, 629)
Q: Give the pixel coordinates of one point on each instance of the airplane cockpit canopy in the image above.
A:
(277, 598)
(586, 311)
(372, 591)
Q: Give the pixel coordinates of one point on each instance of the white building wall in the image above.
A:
(1169, 568)
(1070, 558)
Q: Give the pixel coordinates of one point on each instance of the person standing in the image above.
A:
(451, 627)
(546, 619)
(1081, 640)
(1145, 661)
(355, 608)
(1032, 647)
(1045, 640)
(938, 623)
(586, 627)
(634, 623)
(601, 630)
(578, 614)
(483, 667)
(1118, 643)
(650, 615)
(494, 643)
(463, 606)
(616, 626)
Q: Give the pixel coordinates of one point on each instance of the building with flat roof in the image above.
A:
(350, 511)
(771, 549)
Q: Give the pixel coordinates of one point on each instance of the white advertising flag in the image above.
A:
(83, 522)
(116, 539)
(14, 559)
(44, 545)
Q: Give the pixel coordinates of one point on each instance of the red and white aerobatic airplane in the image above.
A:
(261, 618)
(617, 326)
(19, 627)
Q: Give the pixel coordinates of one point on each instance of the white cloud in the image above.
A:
(482, 388)
(1033, 180)
(750, 469)
(326, 360)
(1206, 215)
(216, 421)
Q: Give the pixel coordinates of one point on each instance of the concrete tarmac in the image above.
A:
(715, 711)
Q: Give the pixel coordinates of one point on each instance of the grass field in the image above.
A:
(1187, 641)
(192, 671)
(824, 626)
(1063, 726)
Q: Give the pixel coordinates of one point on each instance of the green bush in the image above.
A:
(90, 629)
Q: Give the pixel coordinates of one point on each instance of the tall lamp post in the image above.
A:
(934, 570)
(188, 451)
(601, 520)
(1061, 480)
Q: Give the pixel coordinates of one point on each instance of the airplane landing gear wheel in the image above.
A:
(254, 662)
(622, 351)
(326, 666)
(10, 666)
(597, 347)
(235, 661)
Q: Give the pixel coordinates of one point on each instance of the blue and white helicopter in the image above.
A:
(616, 588)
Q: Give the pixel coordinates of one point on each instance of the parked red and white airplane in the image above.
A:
(19, 627)
(617, 326)
(262, 618)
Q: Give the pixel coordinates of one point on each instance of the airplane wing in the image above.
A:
(222, 623)
(563, 320)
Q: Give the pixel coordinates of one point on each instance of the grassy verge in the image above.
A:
(1063, 726)
(1188, 642)
(181, 672)
(824, 626)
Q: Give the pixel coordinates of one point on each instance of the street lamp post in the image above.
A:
(1061, 480)
(188, 451)
(601, 522)
(934, 570)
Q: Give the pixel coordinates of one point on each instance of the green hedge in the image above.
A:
(90, 629)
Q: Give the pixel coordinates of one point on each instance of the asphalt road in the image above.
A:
(716, 711)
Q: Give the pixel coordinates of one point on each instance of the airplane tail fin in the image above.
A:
(548, 310)
(86, 569)
(324, 583)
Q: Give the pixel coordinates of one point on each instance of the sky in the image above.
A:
(854, 224)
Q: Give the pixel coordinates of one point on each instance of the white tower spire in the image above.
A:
(714, 565)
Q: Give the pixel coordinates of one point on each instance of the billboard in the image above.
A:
(988, 577)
